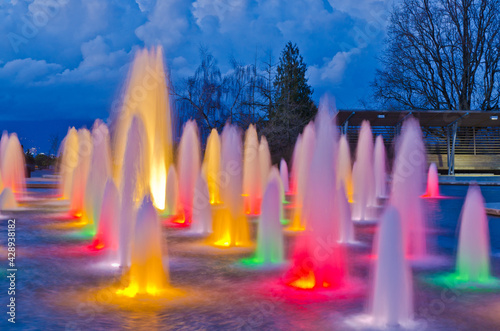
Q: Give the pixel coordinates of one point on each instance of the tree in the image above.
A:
(293, 106)
(441, 54)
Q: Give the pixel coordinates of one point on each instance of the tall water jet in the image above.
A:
(13, 166)
(146, 97)
(380, 168)
(269, 250)
(134, 185)
(473, 258)
(432, 182)
(188, 168)
(68, 156)
(100, 166)
(392, 297)
(202, 211)
(107, 232)
(172, 194)
(252, 184)
(230, 227)
(343, 209)
(363, 176)
(295, 165)
(313, 265)
(212, 166)
(148, 275)
(284, 175)
(344, 167)
(81, 173)
(307, 148)
(408, 185)
(264, 162)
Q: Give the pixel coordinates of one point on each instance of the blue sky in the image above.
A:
(67, 59)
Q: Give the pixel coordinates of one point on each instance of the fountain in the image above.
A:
(295, 165)
(251, 172)
(100, 166)
(318, 259)
(432, 182)
(146, 97)
(343, 209)
(202, 211)
(408, 186)
(68, 156)
(392, 295)
(284, 175)
(305, 153)
(133, 186)
(363, 176)
(473, 258)
(188, 168)
(13, 165)
(380, 168)
(148, 275)
(230, 227)
(7, 200)
(212, 166)
(264, 162)
(107, 231)
(269, 250)
(344, 172)
(81, 173)
(172, 194)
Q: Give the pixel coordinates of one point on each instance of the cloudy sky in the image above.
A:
(67, 59)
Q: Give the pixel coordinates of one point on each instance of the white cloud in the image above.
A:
(332, 71)
(28, 71)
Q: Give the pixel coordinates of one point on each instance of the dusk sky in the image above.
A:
(62, 59)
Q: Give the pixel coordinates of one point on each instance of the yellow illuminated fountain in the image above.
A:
(252, 184)
(81, 173)
(211, 166)
(68, 162)
(230, 227)
(147, 275)
(146, 97)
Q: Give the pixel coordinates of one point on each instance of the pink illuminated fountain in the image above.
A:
(295, 166)
(188, 167)
(432, 182)
(202, 212)
(322, 269)
(108, 227)
(408, 185)
(264, 162)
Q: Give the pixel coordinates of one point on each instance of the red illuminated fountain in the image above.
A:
(432, 183)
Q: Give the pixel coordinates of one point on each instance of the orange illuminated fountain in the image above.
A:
(252, 184)
(318, 259)
(12, 165)
(148, 275)
(188, 168)
(146, 97)
(230, 227)
(344, 167)
(211, 166)
(307, 147)
(81, 173)
(172, 194)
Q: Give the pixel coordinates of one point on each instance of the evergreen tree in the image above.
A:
(293, 107)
